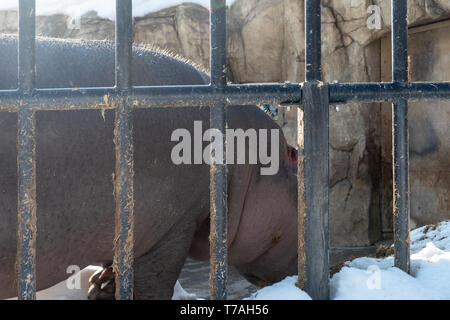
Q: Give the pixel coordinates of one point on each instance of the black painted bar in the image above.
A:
(27, 229)
(313, 41)
(388, 91)
(316, 190)
(315, 178)
(26, 46)
(218, 168)
(123, 138)
(151, 97)
(26, 156)
(314, 96)
(204, 95)
(400, 139)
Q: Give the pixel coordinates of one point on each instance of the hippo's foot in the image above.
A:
(103, 285)
(156, 272)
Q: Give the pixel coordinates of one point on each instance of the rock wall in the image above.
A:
(266, 44)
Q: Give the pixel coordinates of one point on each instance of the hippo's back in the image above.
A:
(79, 63)
(75, 159)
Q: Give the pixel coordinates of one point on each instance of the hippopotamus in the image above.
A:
(75, 165)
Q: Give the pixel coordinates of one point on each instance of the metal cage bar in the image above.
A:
(388, 91)
(204, 95)
(26, 156)
(315, 161)
(218, 168)
(123, 138)
(153, 97)
(313, 41)
(315, 96)
(400, 146)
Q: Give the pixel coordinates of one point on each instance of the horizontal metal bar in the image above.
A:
(205, 95)
(388, 91)
(146, 97)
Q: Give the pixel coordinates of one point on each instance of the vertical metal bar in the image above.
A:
(316, 190)
(218, 170)
(124, 44)
(123, 137)
(26, 159)
(400, 144)
(315, 163)
(313, 40)
(301, 208)
(27, 38)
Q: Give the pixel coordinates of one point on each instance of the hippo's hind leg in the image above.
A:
(156, 272)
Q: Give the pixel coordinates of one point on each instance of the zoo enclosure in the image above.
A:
(314, 95)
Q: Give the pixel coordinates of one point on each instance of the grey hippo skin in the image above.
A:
(75, 166)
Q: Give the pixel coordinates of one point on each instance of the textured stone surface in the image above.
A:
(266, 44)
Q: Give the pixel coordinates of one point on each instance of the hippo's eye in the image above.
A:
(292, 154)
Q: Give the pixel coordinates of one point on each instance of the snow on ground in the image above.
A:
(377, 279)
(104, 8)
(283, 290)
(371, 278)
(180, 294)
(362, 279)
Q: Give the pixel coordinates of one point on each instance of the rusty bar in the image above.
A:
(218, 168)
(27, 230)
(400, 144)
(124, 44)
(123, 138)
(153, 97)
(313, 182)
(234, 94)
(26, 156)
(301, 209)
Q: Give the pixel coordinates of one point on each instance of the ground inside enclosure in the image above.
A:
(364, 278)
(194, 278)
(193, 284)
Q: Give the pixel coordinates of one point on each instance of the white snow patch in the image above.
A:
(180, 294)
(283, 290)
(104, 8)
(439, 235)
(377, 279)
(370, 278)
